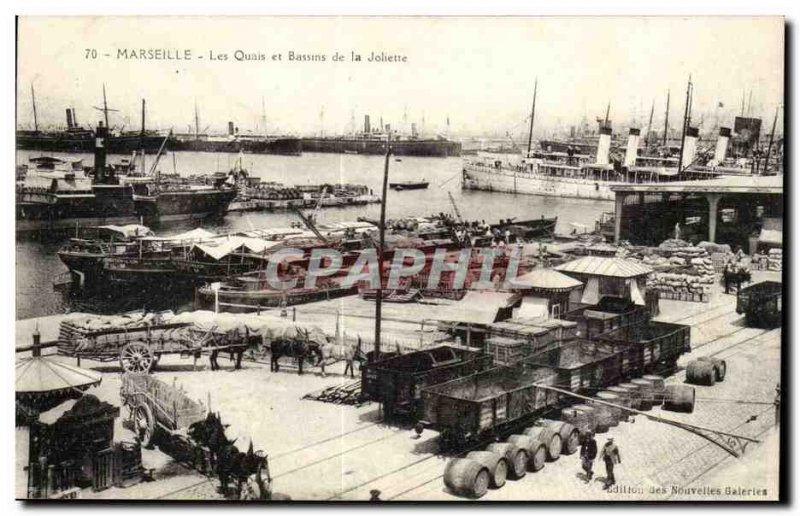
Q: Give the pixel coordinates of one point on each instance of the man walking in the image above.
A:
(610, 456)
(588, 454)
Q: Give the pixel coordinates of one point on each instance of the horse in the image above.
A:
(258, 485)
(347, 352)
(303, 349)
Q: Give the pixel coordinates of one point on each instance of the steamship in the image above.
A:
(583, 176)
(373, 141)
(57, 195)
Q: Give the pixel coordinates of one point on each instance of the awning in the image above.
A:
(605, 266)
(41, 375)
(533, 308)
(545, 279)
(129, 230)
(478, 307)
(194, 235)
(591, 294)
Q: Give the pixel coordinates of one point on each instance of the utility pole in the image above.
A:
(381, 243)
(533, 115)
(35, 119)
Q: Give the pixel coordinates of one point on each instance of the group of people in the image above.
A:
(609, 455)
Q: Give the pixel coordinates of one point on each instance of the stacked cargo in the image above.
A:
(775, 259)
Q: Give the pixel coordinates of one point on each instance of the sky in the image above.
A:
(477, 71)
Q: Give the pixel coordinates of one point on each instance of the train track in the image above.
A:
(730, 347)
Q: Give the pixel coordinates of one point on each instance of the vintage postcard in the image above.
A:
(393, 259)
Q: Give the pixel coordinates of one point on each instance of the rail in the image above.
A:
(732, 443)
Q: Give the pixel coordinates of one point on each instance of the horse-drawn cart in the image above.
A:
(157, 407)
(138, 348)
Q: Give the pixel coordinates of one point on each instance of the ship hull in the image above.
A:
(281, 146)
(426, 148)
(84, 142)
(181, 205)
(518, 182)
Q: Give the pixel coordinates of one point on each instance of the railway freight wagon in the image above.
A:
(648, 347)
(488, 404)
(580, 365)
(396, 382)
(608, 315)
(762, 304)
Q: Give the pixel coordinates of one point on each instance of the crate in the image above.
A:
(506, 351)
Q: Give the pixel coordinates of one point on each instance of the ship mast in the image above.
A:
(666, 121)
(105, 109)
(263, 117)
(533, 115)
(771, 138)
(35, 118)
(686, 120)
(196, 122)
(649, 125)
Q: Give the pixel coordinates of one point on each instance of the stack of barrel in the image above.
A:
(639, 394)
(474, 474)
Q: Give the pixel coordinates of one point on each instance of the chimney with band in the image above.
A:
(603, 145)
(633, 147)
(722, 146)
(70, 123)
(689, 146)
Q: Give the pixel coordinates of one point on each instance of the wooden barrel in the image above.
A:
(570, 436)
(495, 463)
(549, 437)
(646, 390)
(465, 477)
(658, 387)
(612, 414)
(624, 400)
(634, 394)
(700, 372)
(720, 367)
(537, 451)
(679, 398)
(516, 457)
(579, 416)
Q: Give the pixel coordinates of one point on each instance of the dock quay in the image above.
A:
(305, 437)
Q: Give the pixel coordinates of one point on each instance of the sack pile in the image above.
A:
(93, 322)
(775, 259)
(686, 285)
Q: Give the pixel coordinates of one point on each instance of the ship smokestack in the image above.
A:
(689, 146)
(413, 129)
(633, 147)
(230, 129)
(69, 119)
(367, 128)
(603, 145)
(722, 146)
(100, 135)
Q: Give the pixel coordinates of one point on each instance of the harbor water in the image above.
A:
(39, 286)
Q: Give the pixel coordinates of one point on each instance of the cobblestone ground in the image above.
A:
(660, 461)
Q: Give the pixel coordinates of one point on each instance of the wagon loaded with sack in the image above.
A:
(138, 340)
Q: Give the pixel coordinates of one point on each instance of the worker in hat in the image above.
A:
(375, 496)
(588, 454)
(610, 456)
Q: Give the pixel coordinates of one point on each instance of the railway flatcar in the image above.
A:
(762, 304)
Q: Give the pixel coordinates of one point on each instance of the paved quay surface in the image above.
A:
(323, 451)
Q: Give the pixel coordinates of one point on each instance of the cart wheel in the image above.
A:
(144, 425)
(136, 357)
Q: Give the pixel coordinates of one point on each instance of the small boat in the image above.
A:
(409, 185)
(398, 159)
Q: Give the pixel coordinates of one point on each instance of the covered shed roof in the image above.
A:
(544, 279)
(605, 266)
